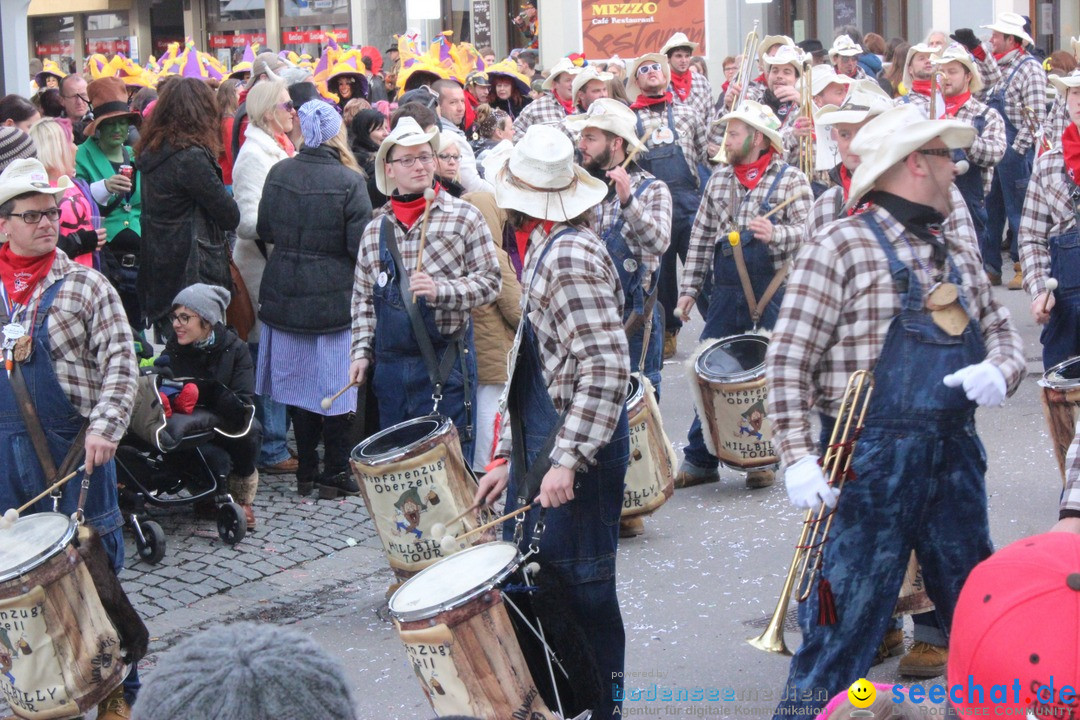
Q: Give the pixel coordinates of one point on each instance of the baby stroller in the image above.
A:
(170, 462)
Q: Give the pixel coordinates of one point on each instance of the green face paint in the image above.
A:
(746, 145)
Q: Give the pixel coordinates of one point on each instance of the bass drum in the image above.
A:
(1060, 395)
(650, 474)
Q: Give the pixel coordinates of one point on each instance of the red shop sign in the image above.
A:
(50, 48)
(300, 37)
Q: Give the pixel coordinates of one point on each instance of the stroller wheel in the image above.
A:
(153, 549)
(231, 523)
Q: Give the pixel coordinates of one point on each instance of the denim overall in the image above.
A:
(1007, 190)
(632, 273)
(970, 185)
(728, 311)
(668, 163)
(581, 537)
(401, 379)
(1061, 336)
(918, 484)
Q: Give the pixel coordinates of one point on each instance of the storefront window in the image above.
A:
(305, 24)
(107, 34)
(54, 39)
(232, 24)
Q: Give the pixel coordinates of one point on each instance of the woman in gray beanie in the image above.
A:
(246, 671)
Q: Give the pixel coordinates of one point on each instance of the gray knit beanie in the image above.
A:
(208, 301)
(246, 671)
(14, 145)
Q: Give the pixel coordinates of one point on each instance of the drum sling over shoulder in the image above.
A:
(438, 370)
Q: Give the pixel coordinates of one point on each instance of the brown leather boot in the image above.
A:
(1017, 282)
(760, 479)
(671, 345)
(249, 515)
(631, 527)
(114, 707)
(891, 646)
(924, 660)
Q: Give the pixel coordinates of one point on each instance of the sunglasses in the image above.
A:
(646, 69)
(287, 106)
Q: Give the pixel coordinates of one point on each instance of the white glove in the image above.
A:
(983, 383)
(806, 484)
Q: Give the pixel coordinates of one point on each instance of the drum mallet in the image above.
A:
(12, 515)
(1051, 286)
(438, 530)
(634, 151)
(326, 402)
(429, 198)
(447, 543)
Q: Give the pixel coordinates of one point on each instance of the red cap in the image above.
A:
(1017, 625)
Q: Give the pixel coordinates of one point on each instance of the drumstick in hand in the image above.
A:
(634, 151)
(12, 514)
(326, 402)
(429, 197)
(438, 530)
(1051, 286)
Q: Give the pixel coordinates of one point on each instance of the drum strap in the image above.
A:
(635, 321)
(756, 306)
(438, 370)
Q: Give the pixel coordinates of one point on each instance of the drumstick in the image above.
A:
(634, 151)
(438, 530)
(13, 514)
(780, 207)
(326, 402)
(429, 197)
(496, 521)
(1051, 286)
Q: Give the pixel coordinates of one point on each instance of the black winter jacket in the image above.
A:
(226, 360)
(186, 213)
(314, 210)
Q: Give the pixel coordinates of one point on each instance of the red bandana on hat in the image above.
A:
(750, 174)
(644, 101)
(682, 82)
(1070, 146)
(954, 103)
(22, 274)
(567, 105)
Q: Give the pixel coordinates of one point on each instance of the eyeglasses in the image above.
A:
(287, 106)
(77, 95)
(408, 162)
(182, 318)
(33, 217)
(646, 69)
(939, 152)
(447, 157)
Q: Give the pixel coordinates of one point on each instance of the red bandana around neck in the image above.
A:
(521, 235)
(567, 105)
(407, 211)
(1019, 53)
(922, 87)
(22, 274)
(644, 101)
(1070, 146)
(750, 174)
(681, 83)
(954, 103)
(845, 180)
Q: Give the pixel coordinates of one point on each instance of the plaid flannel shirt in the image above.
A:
(1048, 211)
(1056, 122)
(646, 220)
(574, 302)
(957, 225)
(700, 99)
(689, 126)
(787, 133)
(989, 147)
(838, 306)
(90, 345)
(714, 218)
(544, 110)
(1027, 89)
(988, 71)
(459, 254)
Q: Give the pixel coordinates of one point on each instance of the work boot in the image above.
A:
(671, 344)
(1017, 282)
(690, 475)
(342, 483)
(891, 646)
(631, 527)
(114, 707)
(288, 466)
(249, 516)
(924, 660)
(760, 479)
(994, 278)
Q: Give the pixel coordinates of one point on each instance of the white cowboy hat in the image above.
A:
(772, 41)
(864, 100)
(1010, 23)
(408, 133)
(586, 76)
(911, 53)
(611, 115)
(958, 53)
(632, 89)
(892, 136)
(541, 179)
(565, 65)
(1063, 83)
(823, 76)
(28, 175)
(678, 40)
(786, 55)
(845, 46)
(759, 117)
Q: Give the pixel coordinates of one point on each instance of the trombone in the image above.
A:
(806, 144)
(745, 76)
(806, 565)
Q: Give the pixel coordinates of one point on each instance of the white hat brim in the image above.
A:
(976, 83)
(604, 122)
(1062, 84)
(556, 206)
(14, 190)
(385, 184)
(1009, 30)
(774, 136)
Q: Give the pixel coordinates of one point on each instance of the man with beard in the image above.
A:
(782, 95)
(675, 140)
(687, 88)
(634, 221)
(917, 72)
(555, 104)
(736, 198)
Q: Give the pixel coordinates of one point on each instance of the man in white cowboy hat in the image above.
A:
(70, 356)
(769, 46)
(589, 85)
(555, 104)
(826, 88)
(567, 393)
(411, 310)
(886, 291)
(687, 87)
(675, 141)
(917, 74)
(737, 195)
(1048, 235)
(783, 70)
(1020, 90)
(844, 56)
(960, 85)
(634, 221)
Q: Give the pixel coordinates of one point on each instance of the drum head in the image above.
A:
(454, 580)
(733, 359)
(634, 392)
(398, 440)
(1063, 376)
(33, 540)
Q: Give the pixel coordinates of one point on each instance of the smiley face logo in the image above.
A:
(861, 693)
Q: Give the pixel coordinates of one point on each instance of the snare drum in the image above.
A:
(413, 476)
(1060, 395)
(459, 639)
(650, 474)
(59, 651)
(732, 401)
